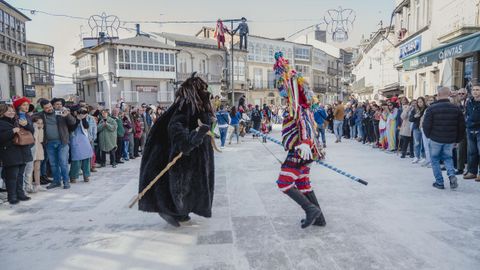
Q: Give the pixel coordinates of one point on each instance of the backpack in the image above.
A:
(256, 117)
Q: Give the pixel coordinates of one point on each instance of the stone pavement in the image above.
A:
(398, 221)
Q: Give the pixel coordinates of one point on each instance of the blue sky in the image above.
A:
(268, 18)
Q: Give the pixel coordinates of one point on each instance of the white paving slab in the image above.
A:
(398, 221)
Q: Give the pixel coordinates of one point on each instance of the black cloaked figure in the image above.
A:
(188, 186)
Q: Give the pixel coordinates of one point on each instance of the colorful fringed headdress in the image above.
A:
(291, 84)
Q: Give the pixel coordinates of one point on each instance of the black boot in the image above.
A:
(320, 221)
(11, 185)
(312, 212)
(183, 218)
(20, 192)
(169, 219)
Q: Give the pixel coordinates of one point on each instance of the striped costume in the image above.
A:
(299, 139)
(295, 171)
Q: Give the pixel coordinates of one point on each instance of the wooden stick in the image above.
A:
(141, 194)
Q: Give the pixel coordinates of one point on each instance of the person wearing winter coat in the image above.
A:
(405, 130)
(13, 158)
(117, 116)
(320, 116)
(137, 133)
(81, 149)
(415, 116)
(127, 126)
(22, 107)
(107, 137)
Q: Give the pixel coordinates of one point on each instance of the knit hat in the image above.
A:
(19, 101)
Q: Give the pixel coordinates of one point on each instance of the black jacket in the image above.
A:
(11, 154)
(443, 122)
(414, 118)
(65, 125)
(188, 186)
(472, 114)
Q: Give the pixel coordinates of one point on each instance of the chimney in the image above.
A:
(321, 35)
(101, 37)
(137, 26)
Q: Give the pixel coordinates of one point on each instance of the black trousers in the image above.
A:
(136, 146)
(119, 152)
(376, 130)
(369, 134)
(404, 143)
(243, 42)
(13, 176)
(113, 160)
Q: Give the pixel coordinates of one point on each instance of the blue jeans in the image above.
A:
(359, 129)
(353, 132)
(235, 132)
(473, 145)
(126, 148)
(338, 129)
(418, 143)
(58, 158)
(223, 135)
(438, 152)
(321, 132)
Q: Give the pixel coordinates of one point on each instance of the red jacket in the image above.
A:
(138, 129)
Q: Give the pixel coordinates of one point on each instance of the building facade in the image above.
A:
(238, 66)
(199, 55)
(376, 78)
(331, 87)
(40, 71)
(13, 51)
(437, 44)
(261, 58)
(133, 70)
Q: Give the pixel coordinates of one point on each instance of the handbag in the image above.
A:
(23, 137)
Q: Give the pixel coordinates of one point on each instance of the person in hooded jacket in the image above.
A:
(81, 149)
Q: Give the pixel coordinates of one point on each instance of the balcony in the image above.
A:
(332, 71)
(41, 79)
(213, 78)
(129, 96)
(87, 73)
(207, 77)
(458, 33)
(319, 88)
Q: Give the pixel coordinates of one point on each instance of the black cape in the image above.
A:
(188, 186)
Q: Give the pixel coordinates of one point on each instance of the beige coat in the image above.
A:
(38, 135)
(405, 129)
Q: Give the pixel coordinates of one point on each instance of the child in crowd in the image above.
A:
(39, 152)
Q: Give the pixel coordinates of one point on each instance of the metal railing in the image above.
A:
(40, 78)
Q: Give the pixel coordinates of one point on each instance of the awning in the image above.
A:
(391, 89)
(455, 48)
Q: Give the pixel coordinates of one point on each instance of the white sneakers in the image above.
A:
(415, 160)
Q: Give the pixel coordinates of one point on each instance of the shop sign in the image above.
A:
(29, 91)
(454, 49)
(147, 88)
(410, 48)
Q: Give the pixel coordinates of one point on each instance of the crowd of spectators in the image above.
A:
(423, 129)
(50, 144)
